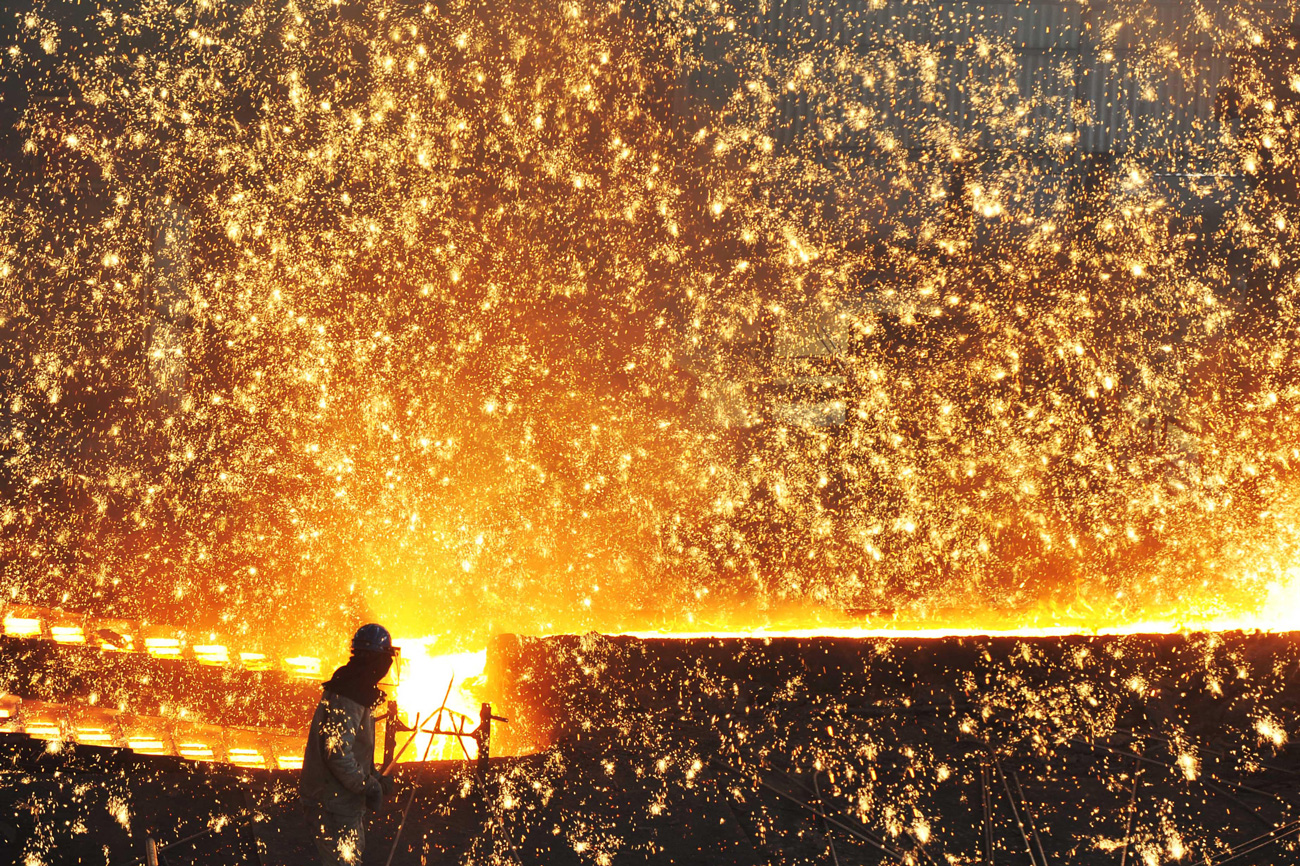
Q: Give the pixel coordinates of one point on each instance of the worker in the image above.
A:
(339, 784)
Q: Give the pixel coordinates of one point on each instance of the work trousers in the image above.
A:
(340, 839)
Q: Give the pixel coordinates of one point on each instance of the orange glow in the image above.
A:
(303, 666)
(424, 679)
(146, 745)
(288, 762)
(44, 730)
(1142, 626)
(245, 757)
(639, 360)
(196, 751)
(212, 654)
(163, 647)
(114, 635)
(43, 721)
(94, 736)
(67, 634)
(22, 627)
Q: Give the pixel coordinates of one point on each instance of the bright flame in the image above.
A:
(424, 678)
(1281, 608)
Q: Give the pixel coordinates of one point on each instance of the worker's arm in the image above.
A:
(339, 738)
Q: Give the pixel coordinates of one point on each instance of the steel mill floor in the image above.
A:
(1141, 749)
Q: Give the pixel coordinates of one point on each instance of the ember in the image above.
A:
(957, 340)
(488, 322)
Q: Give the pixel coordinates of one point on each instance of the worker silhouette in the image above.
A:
(339, 783)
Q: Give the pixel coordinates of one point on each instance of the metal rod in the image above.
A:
(988, 813)
(397, 837)
(153, 851)
(447, 695)
(460, 738)
(817, 788)
(1210, 785)
(1205, 749)
(1033, 828)
(1132, 803)
(1258, 842)
(428, 746)
(415, 729)
(890, 851)
(901, 858)
(864, 829)
(1015, 812)
(193, 836)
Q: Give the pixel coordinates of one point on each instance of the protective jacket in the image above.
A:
(338, 766)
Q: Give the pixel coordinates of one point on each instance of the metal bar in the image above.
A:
(458, 720)
(1227, 795)
(1030, 815)
(1015, 812)
(895, 854)
(428, 746)
(397, 837)
(1132, 803)
(863, 829)
(988, 813)
(900, 857)
(415, 729)
(153, 852)
(1258, 842)
(447, 695)
(1246, 807)
(1206, 749)
(1147, 760)
(460, 739)
(193, 836)
(817, 788)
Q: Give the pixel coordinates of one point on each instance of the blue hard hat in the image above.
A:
(372, 638)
